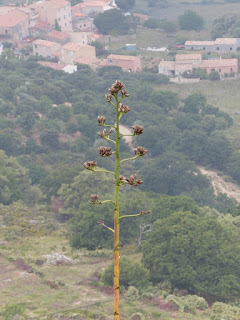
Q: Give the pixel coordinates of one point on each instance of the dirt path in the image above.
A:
(128, 139)
(220, 186)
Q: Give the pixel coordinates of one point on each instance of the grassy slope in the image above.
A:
(18, 286)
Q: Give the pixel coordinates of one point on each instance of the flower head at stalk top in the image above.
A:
(101, 120)
(133, 180)
(94, 199)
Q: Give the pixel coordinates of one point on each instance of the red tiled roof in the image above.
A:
(59, 35)
(74, 46)
(219, 63)
(52, 65)
(45, 43)
(199, 43)
(122, 57)
(226, 40)
(196, 56)
(42, 25)
(13, 18)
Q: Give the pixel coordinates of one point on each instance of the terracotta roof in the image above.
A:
(196, 56)
(59, 35)
(219, 63)
(183, 67)
(167, 64)
(5, 9)
(79, 14)
(94, 36)
(56, 3)
(72, 46)
(226, 40)
(13, 18)
(199, 43)
(85, 60)
(141, 16)
(42, 25)
(52, 65)
(93, 4)
(122, 57)
(45, 43)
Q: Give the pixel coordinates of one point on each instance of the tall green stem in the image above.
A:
(116, 217)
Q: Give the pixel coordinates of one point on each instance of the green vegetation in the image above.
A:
(190, 20)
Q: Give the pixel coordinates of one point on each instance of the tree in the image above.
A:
(125, 5)
(194, 103)
(166, 100)
(112, 21)
(193, 253)
(190, 20)
(214, 76)
(14, 180)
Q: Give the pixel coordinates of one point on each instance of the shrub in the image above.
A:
(224, 311)
(12, 310)
(132, 294)
(132, 274)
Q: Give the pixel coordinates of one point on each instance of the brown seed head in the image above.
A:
(105, 151)
(94, 199)
(140, 151)
(108, 97)
(101, 120)
(116, 87)
(133, 181)
(103, 133)
(145, 212)
(124, 94)
(124, 109)
(100, 222)
(90, 165)
(137, 129)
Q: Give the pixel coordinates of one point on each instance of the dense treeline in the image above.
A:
(48, 128)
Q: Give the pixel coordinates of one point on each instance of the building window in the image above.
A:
(204, 48)
(110, 61)
(59, 19)
(220, 69)
(192, 48)
(64, 17)
(218, 48)
(6, 31)
(230, 48)
(231, 69)
(194, 61)
(36, 46)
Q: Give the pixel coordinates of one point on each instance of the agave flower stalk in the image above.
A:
(117, 92)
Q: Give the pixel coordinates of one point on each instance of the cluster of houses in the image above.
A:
(189, 62)
(40, 23)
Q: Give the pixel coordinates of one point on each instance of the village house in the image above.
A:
(83, 37)
(14, 24)
(58, 36)
(220, 44)
(222, 66)
(81, 22)
(142, 17)
(45, 48)
(91, 7)
(127, 63)
(55, 12)
(172, 68)
(72, 51)
(189, 62)
(193, 59)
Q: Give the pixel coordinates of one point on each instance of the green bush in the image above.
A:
(132, 294)
(224, 311)
(132, 274)
(12, 310)
(189, 303)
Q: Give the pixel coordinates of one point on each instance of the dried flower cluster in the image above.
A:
(140, 151)
(104, 133)
(90, 165)
(115, 88)
(105, 151)
(133, 180)
(144, 212)
(101, 120)
(94, 199)
(122, 108)
(137, 129)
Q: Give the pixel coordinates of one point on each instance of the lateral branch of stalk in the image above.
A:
(102, 224)
(136, 215)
